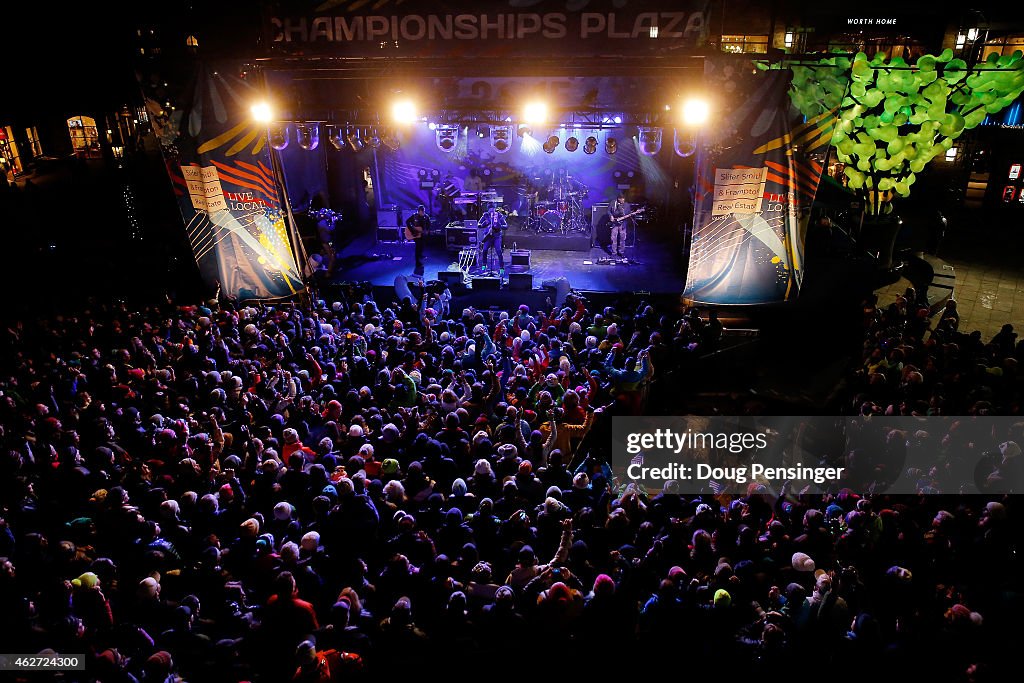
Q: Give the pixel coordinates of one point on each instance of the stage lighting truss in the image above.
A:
(501, 138)
(447, 137)
(551, 144)
(590, 146)
(278, 134)
(307, 135)
(572, 144)
(650, 140)
(684, 144)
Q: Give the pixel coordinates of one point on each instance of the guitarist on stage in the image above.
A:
(415, 227)
(620, 215)
(495, 225)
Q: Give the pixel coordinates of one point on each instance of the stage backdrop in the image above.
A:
(758, 169)
(471, 29)
(222, 173)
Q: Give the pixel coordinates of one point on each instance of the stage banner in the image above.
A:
(222, 173)
(758, 168)
(472, 29)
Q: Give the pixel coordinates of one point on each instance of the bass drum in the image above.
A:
(552, 221)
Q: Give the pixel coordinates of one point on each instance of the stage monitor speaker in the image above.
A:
(486, 283)
(596, 212)
(601, 233)
(387, 233)
(520, 281)
(450, 277)
(389, 217)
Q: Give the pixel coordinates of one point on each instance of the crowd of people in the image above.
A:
(327, 491)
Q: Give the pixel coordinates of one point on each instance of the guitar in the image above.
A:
(414, 232)
(620, 219)
(498, 226)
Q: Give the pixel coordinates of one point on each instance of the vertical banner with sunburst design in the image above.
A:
(222, 173)
(758, 169)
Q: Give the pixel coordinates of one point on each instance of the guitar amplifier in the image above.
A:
(386, 233)
(389, 217)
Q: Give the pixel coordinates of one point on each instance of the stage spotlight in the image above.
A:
(696, 111)
(590, 146)
(278, 133)
(336, 138)
(501, 138)
(432, 126)
(535, 112)
(403, 112)
(684, 145)
(375, 141)
(611, 145)
(572, 144)
(262, 113)
(524, 130)
(551, 145)
(354, 142)
(391, 140)
(446, 137)
(482, 131)
(649, 141)
(307, 135)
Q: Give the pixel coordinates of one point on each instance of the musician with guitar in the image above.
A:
(495, 225)
(415, 227)
(620, 215)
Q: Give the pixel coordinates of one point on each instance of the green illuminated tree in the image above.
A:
(895, 118)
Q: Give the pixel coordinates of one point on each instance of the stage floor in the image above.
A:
(656, 265)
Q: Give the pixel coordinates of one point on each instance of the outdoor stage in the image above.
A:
(656, 265)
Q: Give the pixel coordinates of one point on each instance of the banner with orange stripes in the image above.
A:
(230, 199)
(757, 171)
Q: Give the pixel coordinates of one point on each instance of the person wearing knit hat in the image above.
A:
(86, 581)
(283, 511)
(802, 562)
(159, 666)
(250, 528)
(722, 599)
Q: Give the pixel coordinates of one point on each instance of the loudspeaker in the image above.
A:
(450, 277)
(520, 281)
(487, 283)
(390, 234)
(389, 217)
(601, 224)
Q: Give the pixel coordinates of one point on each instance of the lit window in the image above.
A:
(743, 43)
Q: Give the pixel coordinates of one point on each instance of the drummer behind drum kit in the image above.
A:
(557, 207)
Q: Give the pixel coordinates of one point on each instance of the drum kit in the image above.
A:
(555, 204)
